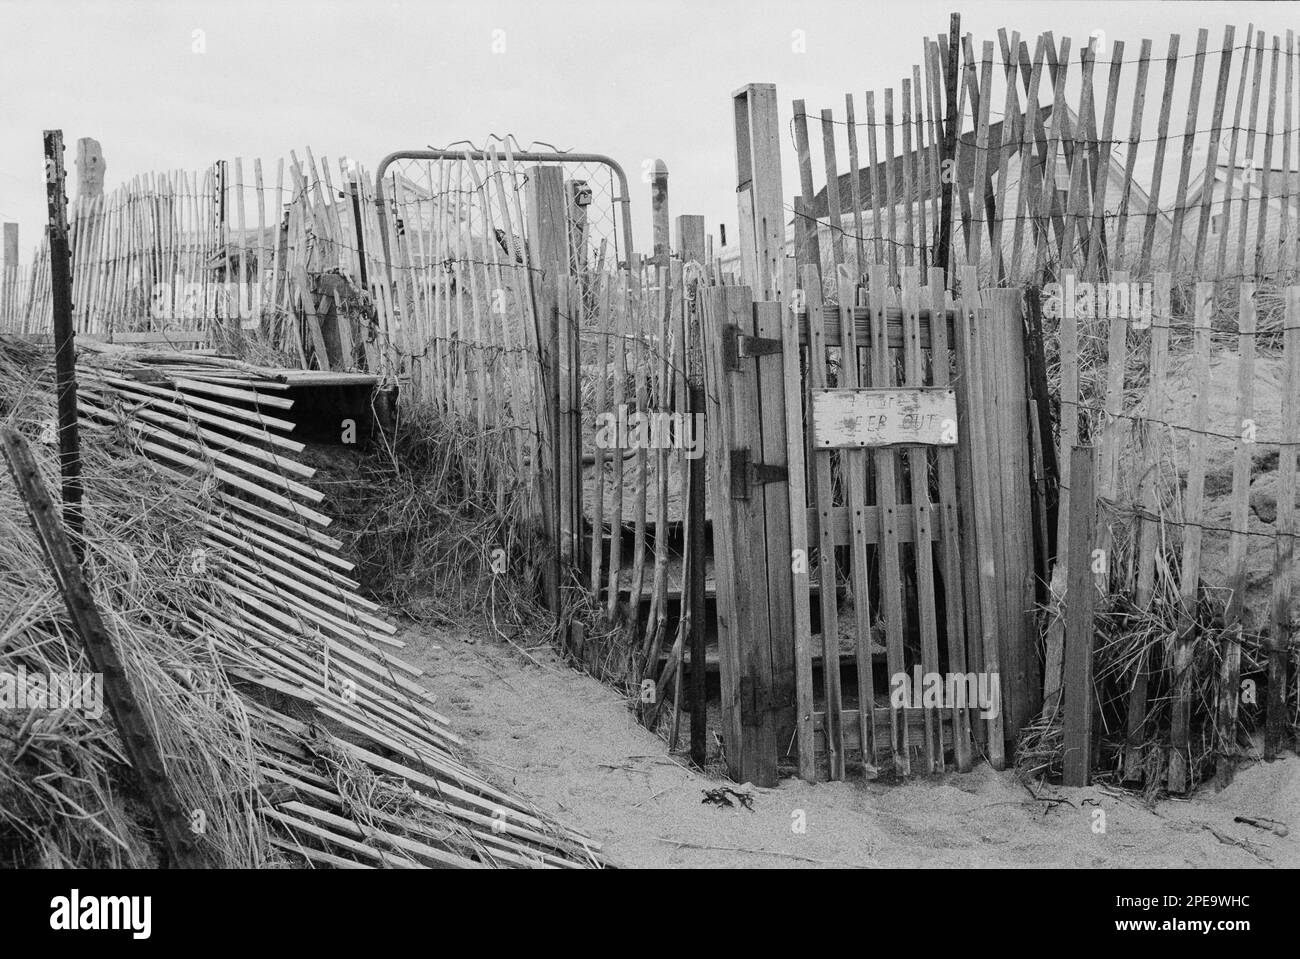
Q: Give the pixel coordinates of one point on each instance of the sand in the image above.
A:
(1264, 487)
(569, 744)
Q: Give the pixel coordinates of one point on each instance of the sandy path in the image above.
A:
(569, 744)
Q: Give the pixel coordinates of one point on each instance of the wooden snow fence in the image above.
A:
(1155, 519)
(223, 257)
(1013, 164)
(333, 706)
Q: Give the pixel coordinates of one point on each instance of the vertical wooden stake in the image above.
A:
(948, 170)
(659, 213)
(1284, 567)
(699, 713)
(65, 371)
(1080, 598)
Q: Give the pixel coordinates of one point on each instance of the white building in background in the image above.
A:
(1226, 241)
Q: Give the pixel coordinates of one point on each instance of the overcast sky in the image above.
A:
(635, 80)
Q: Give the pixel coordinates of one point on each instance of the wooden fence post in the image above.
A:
(1080, 598)
(950, 133)
(1284, 567)
(64, 348)
(659, 213)
(137, 737)
(747, 445)
(9, 292)
(758, 188)
(1003, 350)
(690, 239)
(548, 243)
(1230, 668)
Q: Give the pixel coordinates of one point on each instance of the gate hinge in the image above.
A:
(746, 473)
(737, 346)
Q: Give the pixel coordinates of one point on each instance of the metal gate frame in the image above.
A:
(559, 359)
(558, 156)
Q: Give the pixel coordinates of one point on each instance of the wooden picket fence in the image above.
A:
(1047, 194)
(1156, 516)
(223, 258)
(1024, 162)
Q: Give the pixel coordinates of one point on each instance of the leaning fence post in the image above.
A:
(137, 737)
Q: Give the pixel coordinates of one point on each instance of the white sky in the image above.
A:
(635, 80)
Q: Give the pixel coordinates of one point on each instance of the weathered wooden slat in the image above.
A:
(1250, 127)
(1284, 571)
(948, 528)
(891, 207)
(887, 554)
(854, 465)
(1029, 189)
(1285, 238)
(923, 508)
(1265, 192)
(1157, 169)
(823, 501)
(1149, 495)
(1048, 200)
(833, 209)
(1010, 121)
(909, 177)
(973, 373)
(980, 218)
(1068, 333)
(1079, 631)
(772, 452)
(1076, 203)
(717, 310)
(1101, 172)
(1212, 151)
(1230, 669)
(1131, 154)
(922, 174)
(803, 217)
(1189, 138)
(877, 184)
(1114, 430)
(1230, 181)
(799, 525)
(622, 309)
(1190, 569)
(855, 187)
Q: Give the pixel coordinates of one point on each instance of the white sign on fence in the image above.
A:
(850, 419)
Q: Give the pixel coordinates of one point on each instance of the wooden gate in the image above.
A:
(872, 524)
